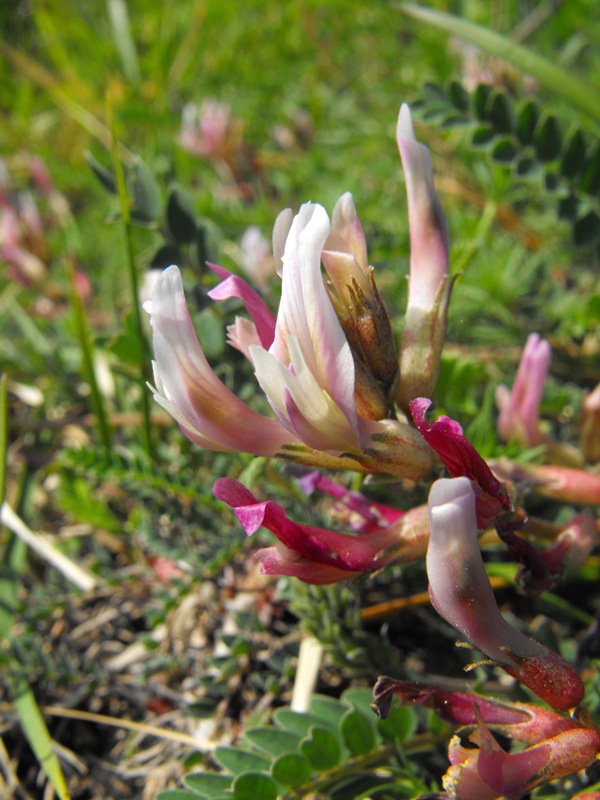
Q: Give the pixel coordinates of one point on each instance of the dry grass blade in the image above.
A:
(80, 578)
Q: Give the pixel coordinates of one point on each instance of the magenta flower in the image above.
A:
(519, 408)
(489, 772)
(461, 593)
(429, 285)
(446, 437)
(363, 515)
(320, 556)
(540, 570)
(557, 745)
(315, 555)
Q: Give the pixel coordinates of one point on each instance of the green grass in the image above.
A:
(110, 79)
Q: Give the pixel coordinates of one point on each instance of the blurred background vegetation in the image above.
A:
(315, 90)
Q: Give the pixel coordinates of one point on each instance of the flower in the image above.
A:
(318, 555)
(489, 772)
(208, 130)
(461, 593)
(429, 285)
(590, 426)
(568, 484)
(557, 745)
(519, 408)
(257, 258)
(301, 359)
(446, 437)
(362, 312)
(541, 570)
(185, 385)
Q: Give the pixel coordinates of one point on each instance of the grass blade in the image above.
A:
(573, 90)
(133, 280)
(39, 738)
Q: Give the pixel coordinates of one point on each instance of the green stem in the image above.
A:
(133, 280)
(87, 351)
(381, 756)
(3, 435)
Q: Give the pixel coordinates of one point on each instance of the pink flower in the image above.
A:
(362, 312)
(206, 130)
(185, 385)
(519, 408)
(429, 285)
(489, 772)
(362, 514)
(567, 484)
(257, 258)
(446, 437)
(557, 745)
(315, 555)
(301, 358)
(522, 722)
(541, 570)
(461, 593)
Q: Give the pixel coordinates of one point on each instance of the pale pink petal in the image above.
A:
(306, 312)
(428, 230)
(186, 386)
(461, 593)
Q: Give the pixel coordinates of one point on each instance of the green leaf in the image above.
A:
(504, 150)
(175, 794)
(480, 99)
(528, 116)
(322, 748)
(105, 176)
(291, 769)
(237, 760)
(181, 218)
(524, 165)
(551, 182)
(361, 698)
(400, 724)
(568, 207)
(586, 229)
(328, 709)
(254, 786)
(573, 155)
(459, 97)
(271, 740)
(554, 78)
(211, 333)
(39, 739)
(499, 112)
(358, 732)
(208, 784)
(548, 138)
(590, 177)
(145, 193)
(165, 256)
(297, 722)
(482, 135)
(126, 345)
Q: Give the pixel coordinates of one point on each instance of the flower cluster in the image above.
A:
(342, 395)
(556, 746)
